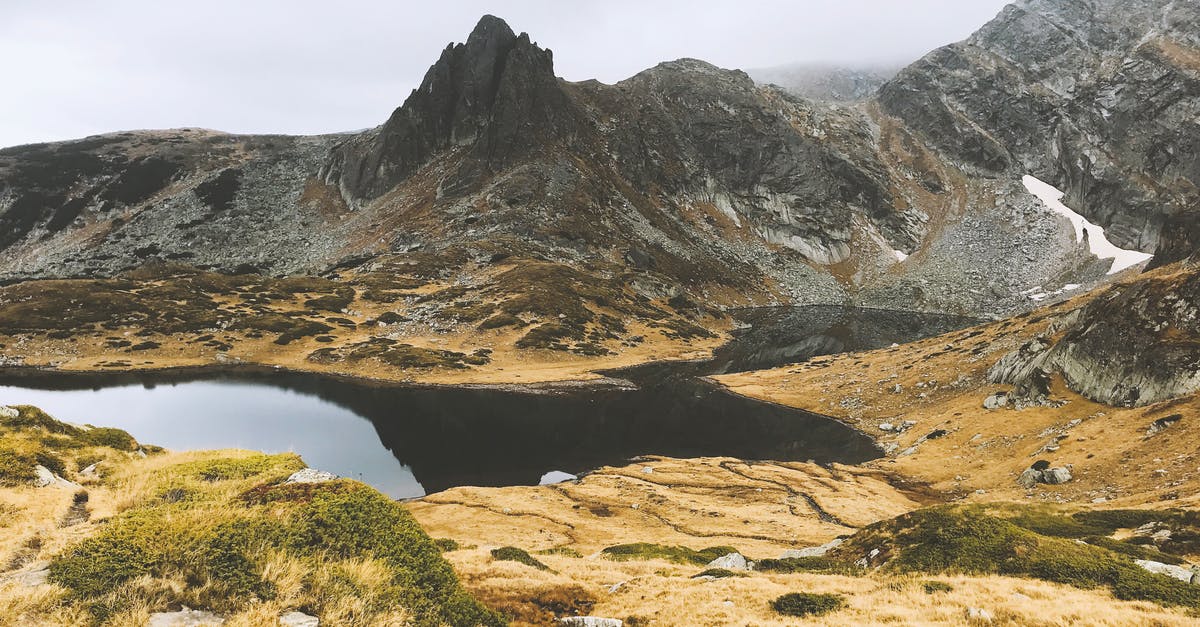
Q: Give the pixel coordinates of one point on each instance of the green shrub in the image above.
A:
(815, 564)
(966, 540)
(677, 554)
(446, 545)
(561, 550)
(513, 554)
(808, 604)
(226, 555)
(273, 467)
(112, 438)
(933, 587)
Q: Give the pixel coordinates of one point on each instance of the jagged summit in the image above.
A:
(495, 95)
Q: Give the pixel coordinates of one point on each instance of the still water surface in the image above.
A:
(408, 441)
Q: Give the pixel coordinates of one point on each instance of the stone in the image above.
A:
(886, 426)
(9, 412)
(589, 621)
(299, 619)
(980, 614)
(1055, 476)
(44, 477)
(732, 561)
(996, 401)
(1029, 478)
(1170, 570)
(90, 471)
(185, 618)
(812, 551)
(310, 475)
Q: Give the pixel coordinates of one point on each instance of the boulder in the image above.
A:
(44, 477)
(1035, 475)
(589, 621)
(1170, 570)
(996, 401)
(9, 412)
(311, 475)
(732, 561)
(980, 614)
(1055, 476)
(299, 619)
(185, 618)
(812, 551)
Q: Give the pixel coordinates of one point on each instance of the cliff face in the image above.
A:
(495, 97)
(1099, 98)
(684, 179)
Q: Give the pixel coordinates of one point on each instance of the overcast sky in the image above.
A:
(80, 67)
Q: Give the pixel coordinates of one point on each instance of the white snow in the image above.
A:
(1097, 242)
(900, 255)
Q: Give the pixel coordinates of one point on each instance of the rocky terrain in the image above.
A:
(686, 178)
(506, 226)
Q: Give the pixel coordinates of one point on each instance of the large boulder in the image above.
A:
(732, 561)
(1170, 570)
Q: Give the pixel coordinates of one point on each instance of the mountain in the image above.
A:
(685, 180)
(827, 82)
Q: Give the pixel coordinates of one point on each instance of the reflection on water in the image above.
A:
(410, 440)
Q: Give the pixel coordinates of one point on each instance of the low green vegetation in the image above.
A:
(521, 556)
(934, 587)
(34, 438)
(816, 564)
(808, 604)
(677, 554)
(221, 552)
(978, 540)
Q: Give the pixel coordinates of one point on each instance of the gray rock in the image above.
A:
(812, 551)
(732, 561)
(185, 618)
(1029, 478)
(299, 619)
(996, 401)
(1054, 476)
(310, 475)
(44, 477)
(1170, 570)
(9, 412)
(980, 614)
(589, 621)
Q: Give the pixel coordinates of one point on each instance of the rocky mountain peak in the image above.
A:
(495, 95)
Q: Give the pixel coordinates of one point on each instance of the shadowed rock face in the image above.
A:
(1134, 344)
(496, 95)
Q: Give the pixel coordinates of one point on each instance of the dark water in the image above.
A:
(408, 441)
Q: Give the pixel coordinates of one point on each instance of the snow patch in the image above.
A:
(900, 255)
(1097, 242)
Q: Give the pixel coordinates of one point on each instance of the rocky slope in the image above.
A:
(685, 179)
(1098, 98)
(829, 83)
